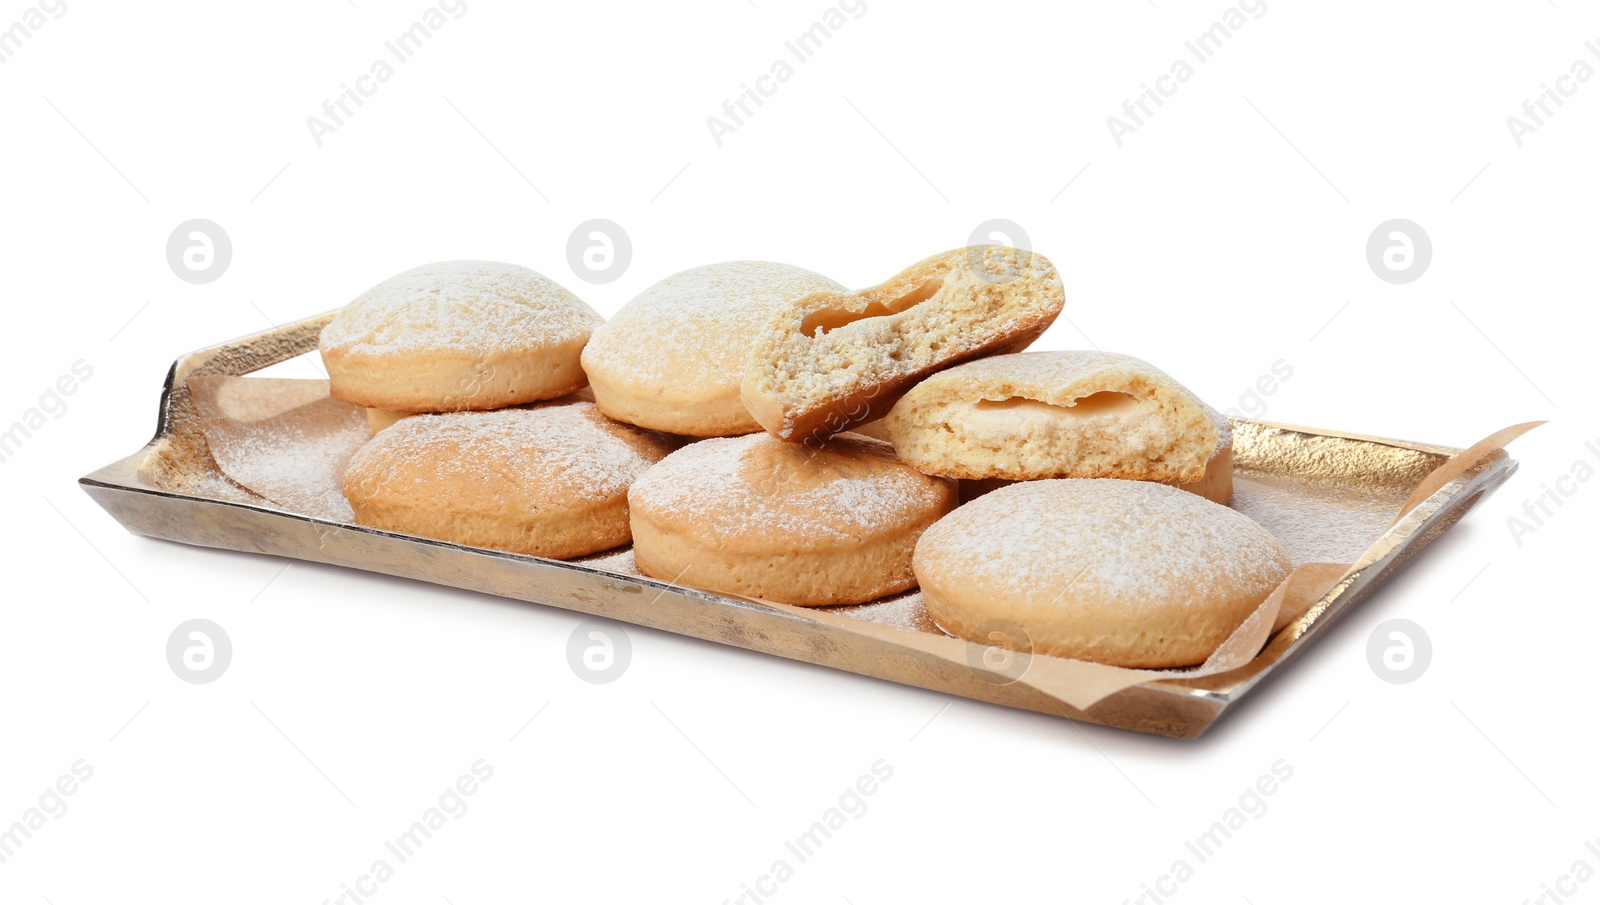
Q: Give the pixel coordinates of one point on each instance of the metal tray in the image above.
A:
(172, 489)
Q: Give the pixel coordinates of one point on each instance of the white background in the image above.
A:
(1224, 235)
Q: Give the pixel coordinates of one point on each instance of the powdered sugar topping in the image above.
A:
(698, 326)
(1128, 541)
(478, 307)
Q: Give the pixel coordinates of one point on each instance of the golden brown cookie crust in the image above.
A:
(1127, 573)
(458, 336)
(758, 517)
(547, 480)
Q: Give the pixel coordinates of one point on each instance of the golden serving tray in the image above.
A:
(1321, 492)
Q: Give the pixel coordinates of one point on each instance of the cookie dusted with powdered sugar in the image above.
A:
(672, 359)
(547, 480)
(458, 336)
(1127, 573)
(809, 526)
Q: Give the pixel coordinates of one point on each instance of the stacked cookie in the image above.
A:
(465, 368)
(721, 440)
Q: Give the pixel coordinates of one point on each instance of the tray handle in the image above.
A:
(178, 450)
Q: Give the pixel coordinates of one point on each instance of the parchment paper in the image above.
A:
(287, 440)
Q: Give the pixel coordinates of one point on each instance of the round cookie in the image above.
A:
(1127, 573)
(673, 358)
(455, 336)
(808, 526)
(548, 480)
(1055, 415)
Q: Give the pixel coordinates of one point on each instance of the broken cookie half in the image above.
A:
(1056, 415)
(830, 360)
